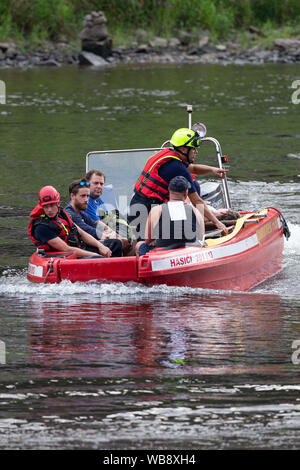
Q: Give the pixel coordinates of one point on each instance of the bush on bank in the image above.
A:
(40, 20)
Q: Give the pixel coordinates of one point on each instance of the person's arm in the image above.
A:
(205, 169)
(197, 200)
(59, 245)
(46, 235)
(152, 221)
(107, 232)
(200, 222)
(89, 240)
(85, 222)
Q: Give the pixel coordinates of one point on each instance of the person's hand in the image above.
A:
(108, 233)
(222, 227)
(218, 212)
(104, 250)
(221, 172)
(105, 235)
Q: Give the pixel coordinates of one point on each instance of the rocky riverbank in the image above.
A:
(158, 50)
(163, 51)
(94, 47)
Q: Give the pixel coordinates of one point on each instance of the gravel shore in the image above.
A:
(286, 51)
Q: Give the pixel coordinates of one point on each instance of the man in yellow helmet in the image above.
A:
(152, 185)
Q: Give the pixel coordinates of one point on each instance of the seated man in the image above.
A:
(79, 191)
(99, 212)
(96, 178)
(173, 224)
(52, 229)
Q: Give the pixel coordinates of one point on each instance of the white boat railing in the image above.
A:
(200, 128)
(220, 162)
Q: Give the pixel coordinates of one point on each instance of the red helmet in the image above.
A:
(49, 195)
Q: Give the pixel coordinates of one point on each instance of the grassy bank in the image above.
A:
(36, 21)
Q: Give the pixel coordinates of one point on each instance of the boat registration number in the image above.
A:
(203, 256)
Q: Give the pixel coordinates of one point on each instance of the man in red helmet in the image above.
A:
(52, 229)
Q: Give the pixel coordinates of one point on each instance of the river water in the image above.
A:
(115, 366)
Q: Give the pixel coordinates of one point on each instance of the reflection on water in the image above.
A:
(128, 366)
(144, 336)
(160, 370)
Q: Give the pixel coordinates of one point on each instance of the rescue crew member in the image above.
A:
(151, 187)
(174, 224)
(79, 191)
(52, 229)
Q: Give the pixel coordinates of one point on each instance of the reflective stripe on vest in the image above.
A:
(62, 225)
(149, 183)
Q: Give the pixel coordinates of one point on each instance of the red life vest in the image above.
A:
(62, 225)
(149, 183)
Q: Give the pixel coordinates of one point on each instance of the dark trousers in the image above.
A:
(139, 209)
(113, 244)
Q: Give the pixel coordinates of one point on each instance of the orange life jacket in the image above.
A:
(149, 183)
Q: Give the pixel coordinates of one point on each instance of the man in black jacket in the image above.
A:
(79, 191)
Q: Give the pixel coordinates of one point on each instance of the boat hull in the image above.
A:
(239, 263)
(240, 272)
(60, 268)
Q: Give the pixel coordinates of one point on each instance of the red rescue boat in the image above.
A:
(251, 253)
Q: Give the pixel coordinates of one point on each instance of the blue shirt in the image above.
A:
(93, 208)
(176, 168)
(85, 222)
(44, 233)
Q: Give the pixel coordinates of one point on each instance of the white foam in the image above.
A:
(292, 245)
(17, 285)
(14, 283)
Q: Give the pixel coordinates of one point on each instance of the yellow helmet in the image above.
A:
(185, 137)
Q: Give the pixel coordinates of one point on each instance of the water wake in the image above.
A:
(14, 283)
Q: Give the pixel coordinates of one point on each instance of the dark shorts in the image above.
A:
(139, 209)
(144, 248)
(114, 244)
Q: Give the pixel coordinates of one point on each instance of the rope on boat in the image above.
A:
(286, 230)
(239, 225)
(50, 269)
